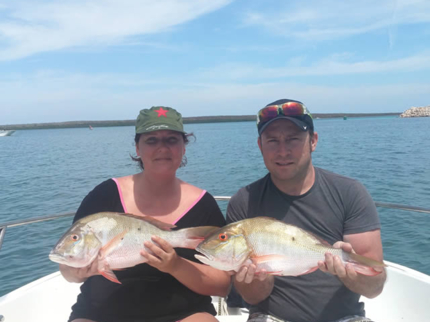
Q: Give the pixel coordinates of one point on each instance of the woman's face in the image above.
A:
(161, 151)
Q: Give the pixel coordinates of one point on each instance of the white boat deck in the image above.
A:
(406, 298)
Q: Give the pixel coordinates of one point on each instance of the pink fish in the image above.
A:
(117, 239)
(277, 247)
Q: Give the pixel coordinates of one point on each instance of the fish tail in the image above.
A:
(195, 235)
(364, 265)
(110, 276)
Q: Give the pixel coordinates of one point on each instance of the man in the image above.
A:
(333, 207)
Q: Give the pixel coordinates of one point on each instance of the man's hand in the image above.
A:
(369, 286)
(163, 256)
(247, 274)
(254, 286)
(335, 266)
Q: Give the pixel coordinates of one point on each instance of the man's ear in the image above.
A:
(314, 141)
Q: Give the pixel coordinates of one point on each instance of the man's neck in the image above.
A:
(297, 186)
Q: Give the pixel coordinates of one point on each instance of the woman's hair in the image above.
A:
(184, 159)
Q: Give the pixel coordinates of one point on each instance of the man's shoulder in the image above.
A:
(252, 187)
(342, 185)
(333, 177)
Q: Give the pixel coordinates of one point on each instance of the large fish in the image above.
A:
(117, 239)
(277, 247)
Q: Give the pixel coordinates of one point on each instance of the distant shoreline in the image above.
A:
(187, 120)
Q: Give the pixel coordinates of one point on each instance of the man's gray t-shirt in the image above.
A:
(335, 206)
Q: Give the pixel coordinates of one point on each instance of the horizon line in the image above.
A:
(186, 120)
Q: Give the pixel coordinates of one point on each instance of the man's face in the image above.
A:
(287, 151)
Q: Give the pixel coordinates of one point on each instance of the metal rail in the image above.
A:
(402, 207)
(4, 226)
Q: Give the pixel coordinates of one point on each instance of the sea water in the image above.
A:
(45, 172)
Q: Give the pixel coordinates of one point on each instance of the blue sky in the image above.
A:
(105, 60)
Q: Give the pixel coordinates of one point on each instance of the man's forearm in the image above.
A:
(368, 286)
(256, 291)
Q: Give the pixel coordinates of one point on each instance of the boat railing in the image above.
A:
(4, 226)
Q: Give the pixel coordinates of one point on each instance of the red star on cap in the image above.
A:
(161, 112)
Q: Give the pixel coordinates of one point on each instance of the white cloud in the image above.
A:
(334, 65)
(331, 19)
(31, 27)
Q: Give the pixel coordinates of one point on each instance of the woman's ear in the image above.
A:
(137, 150)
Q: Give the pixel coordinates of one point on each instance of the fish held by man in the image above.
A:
(116, 240)
(278, 248)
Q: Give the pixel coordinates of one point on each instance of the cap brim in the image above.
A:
(300, 124)
(159, 127)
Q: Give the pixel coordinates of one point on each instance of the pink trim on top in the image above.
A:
(194, 203)
(120, 194)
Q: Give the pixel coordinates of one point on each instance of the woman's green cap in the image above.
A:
(159, 118)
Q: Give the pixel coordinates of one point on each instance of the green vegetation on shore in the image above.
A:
(187, 120)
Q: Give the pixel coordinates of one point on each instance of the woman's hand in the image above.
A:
(163, 257)
(79, 275)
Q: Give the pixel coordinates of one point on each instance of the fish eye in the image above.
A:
(75, 237)
(222, 237)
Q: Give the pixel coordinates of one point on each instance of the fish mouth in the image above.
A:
(57, 258)
(204, 254)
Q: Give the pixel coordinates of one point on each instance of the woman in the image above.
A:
(171, 286)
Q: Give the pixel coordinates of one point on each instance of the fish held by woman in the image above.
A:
(116, 240)
(278, 248)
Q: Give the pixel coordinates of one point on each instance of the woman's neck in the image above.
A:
(150, 185)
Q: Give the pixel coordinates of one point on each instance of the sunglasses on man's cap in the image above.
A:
(287, 109)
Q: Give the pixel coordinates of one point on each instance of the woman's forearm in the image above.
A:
(201, 279)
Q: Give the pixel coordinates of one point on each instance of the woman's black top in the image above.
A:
(146, 294)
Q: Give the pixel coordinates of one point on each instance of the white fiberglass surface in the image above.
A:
(405, 298)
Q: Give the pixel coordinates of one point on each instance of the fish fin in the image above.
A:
(155, 222)
(264, 263)
(107, 273)
(364, 265)
(112, 244)
(199, 232)
(195, 235)
(310, 270)
(278, 273)
(365, 270)
(191, 243)
(267, 258)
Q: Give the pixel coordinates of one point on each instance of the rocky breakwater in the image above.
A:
(417, 112)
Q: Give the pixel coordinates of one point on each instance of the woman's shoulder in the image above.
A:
(104, 197)
(103, 187)
(124, 180)
(191, 190)
(202, 210)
